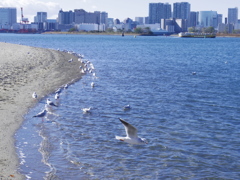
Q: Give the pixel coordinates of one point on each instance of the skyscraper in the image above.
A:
(232, 15)
(8, 16)
(104, 18)
(65, 17)
(181, 10)
(208, 18)
(158, 11)
(41, 17)
(193, 19)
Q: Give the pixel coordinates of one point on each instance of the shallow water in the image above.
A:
(191, 121)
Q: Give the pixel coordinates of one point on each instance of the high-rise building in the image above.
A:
(181, 10)
(193, 19)
(41, 17)
(219, 17)
(8, 16)
(208, 18)
(158, 11)
(97, 17)
(232, 15)
(65, 17)
(104, 18)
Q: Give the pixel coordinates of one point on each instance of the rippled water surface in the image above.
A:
(191, 121)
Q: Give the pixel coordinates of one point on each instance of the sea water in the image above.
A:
(185, 100)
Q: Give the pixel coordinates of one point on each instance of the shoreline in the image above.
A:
(23, 70)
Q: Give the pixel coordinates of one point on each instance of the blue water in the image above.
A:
(191, 121)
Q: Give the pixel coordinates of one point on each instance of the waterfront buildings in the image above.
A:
(8, 17)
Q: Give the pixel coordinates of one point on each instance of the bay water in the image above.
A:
(185, 100)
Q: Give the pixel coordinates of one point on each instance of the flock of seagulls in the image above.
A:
(87, 66)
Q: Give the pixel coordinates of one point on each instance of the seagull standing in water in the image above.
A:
(56, 96)
(41, 114)
(50, 103)
(132, 137)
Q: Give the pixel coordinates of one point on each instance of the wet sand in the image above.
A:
(24, 70)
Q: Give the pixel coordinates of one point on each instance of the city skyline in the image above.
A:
(120, 9)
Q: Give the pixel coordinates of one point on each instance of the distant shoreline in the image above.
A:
(126, 34)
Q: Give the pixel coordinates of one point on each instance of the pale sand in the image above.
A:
(24, 70)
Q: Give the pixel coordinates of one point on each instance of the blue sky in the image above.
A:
(115, 8)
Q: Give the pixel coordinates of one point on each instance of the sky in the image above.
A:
(120, 9)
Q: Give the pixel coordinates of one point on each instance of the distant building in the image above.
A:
(117, 21)
(139, 20)
(50, 25)
(41, 17)
(8, 17)
(225, 20)
(180, 25)
(220, 18)
(110, 22)
(90, 27)
(65, 17)
(225, 28)
(208, 18)
(232, 15)
(104, 19)
(181, 10)
(146, 20)
(158, 11)
(81, 16)
(97, 17)
(193, 19)
(168, 25)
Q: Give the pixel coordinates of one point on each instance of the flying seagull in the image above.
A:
(131, 132)
(49, 102)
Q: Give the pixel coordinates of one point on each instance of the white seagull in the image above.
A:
(34, 95)
(59, 90)
(41, 114)
(50, 103)
(56, 96)
(131, 132)
(66, 86)
(86, 110)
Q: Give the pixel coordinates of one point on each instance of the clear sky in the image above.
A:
(120, 9)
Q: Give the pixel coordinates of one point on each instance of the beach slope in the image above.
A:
(24, 70)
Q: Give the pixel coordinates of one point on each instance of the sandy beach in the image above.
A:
(24, 70)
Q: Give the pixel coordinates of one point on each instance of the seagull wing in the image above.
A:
(41, 114)
(131, 131)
